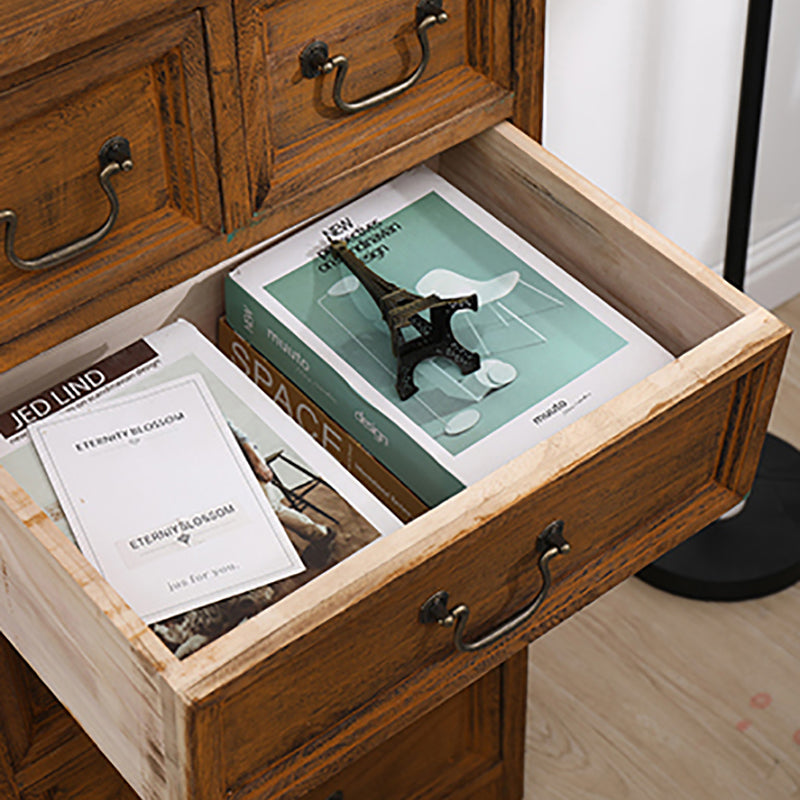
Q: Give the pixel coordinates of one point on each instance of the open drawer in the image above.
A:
(288, 698)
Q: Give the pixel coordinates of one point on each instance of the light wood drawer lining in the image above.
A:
(654, 283)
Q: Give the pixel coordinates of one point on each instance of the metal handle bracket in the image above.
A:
(549, 544)
(114, 157)
(315, 61)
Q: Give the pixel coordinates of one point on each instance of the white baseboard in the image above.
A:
(773, 266)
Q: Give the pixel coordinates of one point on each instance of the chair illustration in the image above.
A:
(296, 497)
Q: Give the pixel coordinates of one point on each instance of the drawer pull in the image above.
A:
(549, 543)
(314, 61)
(115, 156)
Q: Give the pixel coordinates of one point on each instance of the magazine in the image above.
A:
(550, 351)
(326, 513)
(162, 500)
(306, 413)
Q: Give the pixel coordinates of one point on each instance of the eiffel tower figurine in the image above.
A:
(401, 309)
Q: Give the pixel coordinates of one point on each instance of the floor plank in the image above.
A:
(648, 696)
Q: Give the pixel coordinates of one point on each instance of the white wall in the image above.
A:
(641, 96)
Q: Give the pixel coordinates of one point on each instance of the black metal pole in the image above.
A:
(751, 98)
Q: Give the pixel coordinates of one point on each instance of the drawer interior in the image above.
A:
(640, 273)
(720, 339)
(643, 275)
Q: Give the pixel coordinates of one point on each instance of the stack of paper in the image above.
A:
(550, 350)
(190, 491)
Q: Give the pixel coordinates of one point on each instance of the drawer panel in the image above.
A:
(473, 739)
(472, 743)
(299, 140)
(34, 31)
(150, 89)
(608, 503)
(278, 705)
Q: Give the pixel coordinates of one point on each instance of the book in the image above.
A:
(162, 499)
(338, 442)
(550, 350)
(325, 511)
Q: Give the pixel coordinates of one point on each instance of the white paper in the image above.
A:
(162, 501)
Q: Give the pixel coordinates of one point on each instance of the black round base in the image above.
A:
(752, 554)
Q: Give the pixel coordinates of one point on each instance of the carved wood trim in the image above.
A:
(489, 39)
(179, 79)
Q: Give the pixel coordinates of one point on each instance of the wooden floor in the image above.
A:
(648, 696)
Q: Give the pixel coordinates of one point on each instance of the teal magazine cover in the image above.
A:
(532, 337)
(550, 350)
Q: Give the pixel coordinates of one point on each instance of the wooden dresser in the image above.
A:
(142, 145)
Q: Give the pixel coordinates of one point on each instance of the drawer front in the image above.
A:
(33, 31)
(150, 89)
(300, 140)
(621, 508)
(473, 741)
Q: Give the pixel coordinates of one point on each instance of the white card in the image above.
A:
(163, 501)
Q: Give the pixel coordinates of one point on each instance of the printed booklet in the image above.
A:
(162, 499)
(325, 513)
(550, 350)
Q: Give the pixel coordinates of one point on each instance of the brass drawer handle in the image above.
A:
(314, 61)
(115, 156)
(549, 543)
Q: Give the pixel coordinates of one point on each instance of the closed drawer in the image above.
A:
(300, 140)
(281, 703)
(152, 90)
(471, 742)
(470, 746)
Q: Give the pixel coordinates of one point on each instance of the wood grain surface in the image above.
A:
(528, 43)
(648, 695)
(471, 746)
(297, 136)
(151, 89)
(43, 751)
(257, 147)
(41, 34)
(468, 746)
(105, 666)
(594, 238)
(630, 480)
